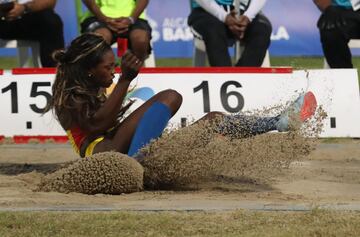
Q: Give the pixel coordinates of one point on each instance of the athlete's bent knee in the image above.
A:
(171, 98)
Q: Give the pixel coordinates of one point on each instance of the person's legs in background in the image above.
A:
(91, 24)
(335, 41)
(45, 27)
(51, 36)
(256, 41)
(335, 48)
(139, 38)
(214, 34)
(139, 35)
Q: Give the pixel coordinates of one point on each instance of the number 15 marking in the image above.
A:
(12, 87)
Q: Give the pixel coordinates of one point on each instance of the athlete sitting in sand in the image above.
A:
(91, 119)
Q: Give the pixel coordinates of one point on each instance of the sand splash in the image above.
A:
(193, 154)
(189, 156)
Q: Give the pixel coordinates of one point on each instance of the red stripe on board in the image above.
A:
(41, 139)
(2, 138)
(21, 71)
(1, 71)
(213, 70)
(216, 70)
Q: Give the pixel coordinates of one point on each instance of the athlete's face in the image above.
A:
(103, 73)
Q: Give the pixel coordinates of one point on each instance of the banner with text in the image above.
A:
(294, 27)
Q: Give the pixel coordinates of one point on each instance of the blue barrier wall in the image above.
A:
(294, 27)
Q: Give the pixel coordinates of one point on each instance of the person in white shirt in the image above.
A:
(219, 24)
(338, 23)
(33, 20)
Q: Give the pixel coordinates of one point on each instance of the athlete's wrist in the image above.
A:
(124, 78)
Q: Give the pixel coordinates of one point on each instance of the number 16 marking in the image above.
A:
(224, 96)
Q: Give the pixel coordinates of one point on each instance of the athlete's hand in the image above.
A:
(331, 19)
(130, 66)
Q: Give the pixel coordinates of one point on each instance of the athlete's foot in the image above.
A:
(300, 110)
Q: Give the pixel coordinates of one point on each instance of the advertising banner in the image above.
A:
(294, 27)
(294, 33)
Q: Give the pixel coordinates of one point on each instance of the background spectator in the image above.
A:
(338, 23)
(34, 20)
(217, 23)
(120, 18)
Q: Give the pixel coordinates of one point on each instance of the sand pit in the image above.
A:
(200, 162)
(186, 158)
(329, 176)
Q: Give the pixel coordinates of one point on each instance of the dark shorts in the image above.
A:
(91, 24)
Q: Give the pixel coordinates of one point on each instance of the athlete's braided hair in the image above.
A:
(75, 96)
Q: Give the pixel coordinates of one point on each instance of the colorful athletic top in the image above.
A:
(76, 137)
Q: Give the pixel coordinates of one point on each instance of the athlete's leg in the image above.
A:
(238, 126)
(124, 135)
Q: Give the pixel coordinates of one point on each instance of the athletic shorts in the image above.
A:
(88, 150)
(91, 24)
